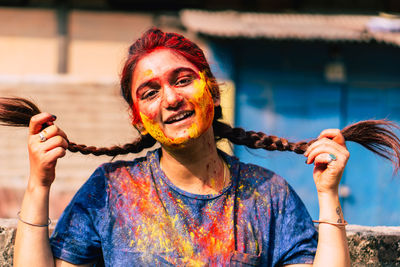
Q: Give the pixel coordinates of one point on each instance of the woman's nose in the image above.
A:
(171, 98)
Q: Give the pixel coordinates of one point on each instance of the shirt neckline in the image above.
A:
(158, 174)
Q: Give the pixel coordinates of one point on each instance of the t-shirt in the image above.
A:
(129, 213)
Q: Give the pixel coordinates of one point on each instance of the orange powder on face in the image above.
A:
(204, 112)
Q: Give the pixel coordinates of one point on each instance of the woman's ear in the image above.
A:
(214, 90)
(216, 96)
(139, 126)
(136, 121)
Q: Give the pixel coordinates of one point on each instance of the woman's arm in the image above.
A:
(332, 242)
(330, 156)
(32, 241)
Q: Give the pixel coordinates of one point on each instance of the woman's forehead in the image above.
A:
(160, 62)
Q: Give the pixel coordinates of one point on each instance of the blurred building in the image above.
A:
(285, 74)
(297, 74)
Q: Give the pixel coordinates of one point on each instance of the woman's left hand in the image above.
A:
(330, 155)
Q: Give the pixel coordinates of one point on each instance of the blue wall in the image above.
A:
(282, 90)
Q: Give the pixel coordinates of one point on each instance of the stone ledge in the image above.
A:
(374, 246)
(7, 236)
(369, 246)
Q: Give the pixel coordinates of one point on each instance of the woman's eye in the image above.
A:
(184, 81)
(148, 94)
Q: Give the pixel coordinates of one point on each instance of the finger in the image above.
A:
(334, 134)
(51, 156)
(323, 141)
(55, 141)
(340, 153)
(324, 158)
(52, 131)
(38, 120)
(320, 151)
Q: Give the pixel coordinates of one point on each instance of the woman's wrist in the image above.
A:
(34, 208)
(330, 208)
(37, 184)
(37, 190)
(329, 194)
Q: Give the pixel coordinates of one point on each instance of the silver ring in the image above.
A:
(42, 137)
(331, 158)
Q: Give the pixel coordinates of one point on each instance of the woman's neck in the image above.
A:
(197, 168)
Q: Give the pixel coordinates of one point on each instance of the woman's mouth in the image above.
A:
(179, 117)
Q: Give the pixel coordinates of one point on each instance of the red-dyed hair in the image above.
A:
(151, 40)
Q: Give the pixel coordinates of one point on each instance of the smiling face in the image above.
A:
(172, 97)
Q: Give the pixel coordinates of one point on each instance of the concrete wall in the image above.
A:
(369, 246)
(96, 43)
(102, 39)
(28, 41)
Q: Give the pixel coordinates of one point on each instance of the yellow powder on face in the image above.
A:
(204, 104)
(213, 182)
(204, 112)
(157, 133)
(148, 73)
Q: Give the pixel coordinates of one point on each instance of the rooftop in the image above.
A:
(313, 27)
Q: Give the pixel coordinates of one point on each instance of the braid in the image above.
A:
(375, 135)
(251, 139)
(135, 147)
(16, 111)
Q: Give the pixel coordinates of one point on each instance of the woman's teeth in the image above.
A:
(179, 117)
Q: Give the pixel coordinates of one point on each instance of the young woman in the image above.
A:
(186, 203)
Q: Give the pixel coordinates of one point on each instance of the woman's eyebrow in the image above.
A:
(150, 83)
(174, 74)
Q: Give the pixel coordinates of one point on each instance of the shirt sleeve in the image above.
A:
(75, 238)
(297, 235)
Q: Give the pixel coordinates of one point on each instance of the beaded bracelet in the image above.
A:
(332, 223)
(34, 224)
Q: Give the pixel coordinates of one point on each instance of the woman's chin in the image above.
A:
(179, 141)
(186, 140)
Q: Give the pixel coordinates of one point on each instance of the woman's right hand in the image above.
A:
(46, 144)
(43, 154)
